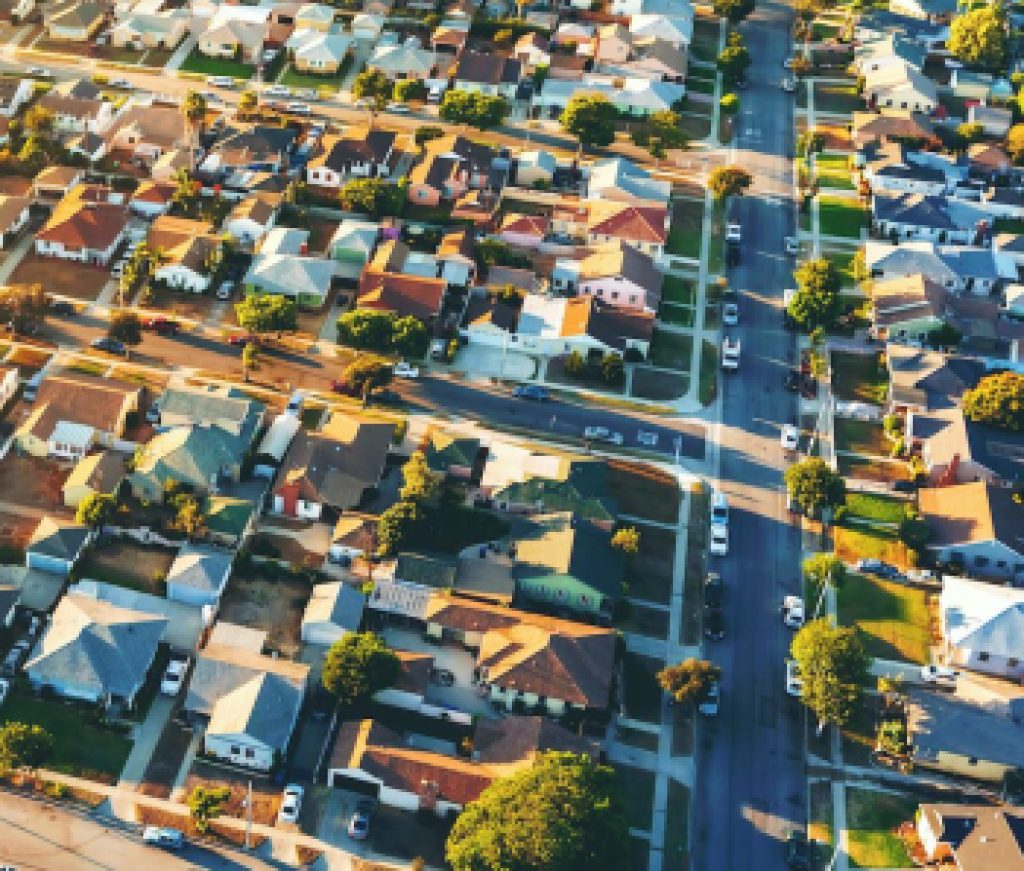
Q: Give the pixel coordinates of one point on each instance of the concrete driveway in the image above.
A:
(475, 360)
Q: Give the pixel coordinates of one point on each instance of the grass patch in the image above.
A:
(310, 416)
(870, 542)
(644, 621)
(859, 377)
(643, 491)
(199, 63)
(707, 388)
(696, 566)
(860, 437)
(706, 35)
(871, 506)
(685, 231)
(637, 787)
(833, 171)
(843, 263)
(1009, 225)
(821, 31)
(865, 469)
(639, 854)
(680, 315)
(679, 290)
(88, 367)
(873, 818)
(700, 86)
(892, 618)
(837, 99)
(292, 78)
(840, 216)
(677, 825)
(671, 350)
(658, 385)
(649, 572)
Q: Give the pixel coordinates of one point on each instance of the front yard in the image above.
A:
(649, 572)
(837, 99)
(833, 171)
(61, 277)
(841, 216)
(873, 819)
(893, 618)
(859, 377)
(860, 437)
(679, 290)
(637, 787)
(871, 506)
(643, 491)
(671, 350)
(642, 694)
(685, 230)
(658, 385)
(871, 542)
(199, 63)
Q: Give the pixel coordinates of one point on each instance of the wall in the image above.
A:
(221, 746)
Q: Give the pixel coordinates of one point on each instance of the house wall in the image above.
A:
(75, 34)
(563, 593)
(84, 255)
(214, 48)
(654, 249)
(183, 278)
(191, 596)
(615, 290)
(523, 240)
(912, 231)
(508, 697)
(319, 65)
(893, 98)
(456, 272)
(324, 176)
(64, 689)
(69, 450)
(987, 663)
(245, 229)
(962, 766)
(908, 331)
(986, 558)
(240, 750)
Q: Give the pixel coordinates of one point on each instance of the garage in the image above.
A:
(341, 780)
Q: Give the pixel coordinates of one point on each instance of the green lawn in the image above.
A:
(833, 171)
(671, 350)
(821, 31)
(643, 695)
(705, 39)
(837, 99)
(644, 621)
(819, 824)
(681, 315)
(865, 469)
(839, 216)
(708, 385)
(658, 385)
(893, 618)
(843, 263)
(871, 506)
(79, 748)
(695, 125)
(637, 787)
(700, 86)
(872, 819)
(681, 290)
(293, 78)
(685, 230)
(197, 62)
(677, 824)
(861, 377)
(857, 540)
(860, 437)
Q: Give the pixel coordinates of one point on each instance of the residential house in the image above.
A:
(283, 266)
(526, 231)
(314, 16)
(333, 611)
(73, 413)
(248, 702)
(448, 43)
(330, 471)
(517, 480)
(976, 526)
(10, 378)
(955, 449)
(404, 295)
(971, 837)
(91, 146)
(96, 473)
(925, 217)
(55, 546)
(14, 93)
(994, 120)
(163, 29)
(622, 180)
(891, 50)
(920, 379)
(147, 132)
(492, 74)
(489, 321)
(354, 536)
(900, 87)
(359, 153)
(982, 627)
(319, 52)
(535, 167)
(94, 651)
(190, 252)
(614, 45)
(404, 60)
(643, 227)
(452, 456)
(352, 246)
(635, 96)
(892, 125)
(169, 165)
(366, 26)
(13, 219)
(532, 50)
(16, 11)
(989, 161)
(675, 29)
(978, 86)
(656, 59)
(260, 147)
(223, 407)
(75, 21)
(935, 11)
(957, 269)
(199, 574)
(200, 458)
(253, 217)
(906, 309)
(85, 225)
(77, 114)
(451, 165)
(555, 326)
(152, 198)
(236, 32)
(615, 273)
(230, 520)
(893, 168)
(455, 256)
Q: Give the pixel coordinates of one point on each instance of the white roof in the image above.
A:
(316, 45)
(244, 14)
(673, 28)
(69, 433)
(355, 234)
(510, 464)
(402, 58)
(541, 315)
(983, 617)
(279, 436)
(617, 172)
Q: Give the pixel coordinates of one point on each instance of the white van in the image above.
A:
(220, 81)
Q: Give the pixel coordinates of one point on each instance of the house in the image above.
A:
(447, 43)
(644, 227)
(10, 378)
(987, 160)
(974, 837)
(976, 526)
(935, 11)
(91, 146)
(74, 412)
(331, 469)
(198, 575)
(399, 61)
(85, 225)
(101, 472)
(224, 407)
(657, 59)
(190, 252)
(567, 564)
(55, 546)
(452, 456)
(236, 32)
(926, 217)
(994, 121)
(892, 125)
(451, 165)
(260, 147)
(319, 52)
(14, 93)
(314, 16)
(94, 651)
(360, 153)
(615, 273)
(523, 482)
(900, 86)
(614, 44)
(163, 29)
(366, 26)
(354, 536)
(352, 246)
(485, 73)
(169, 165)
(253, 217)
(249, 702)
(634, 96)
(455, 257)
(402, 294)
(147, 132)
(532, 50)
(623, 181)
(535, 167)
(892, 49)
(283, 267)
(675, 29)
(955, 449)
(976, 736)
(16, 11)
(488, 321)
(956, 268)
(75, 21)
(525, 231)
(231, 519)
(920, 379)
(981, 627)
(893, 168)
(152, 198)
(556, 326)
(14, 213)
(196, 456)
(334, 610)
(906, 309)
(77, 114)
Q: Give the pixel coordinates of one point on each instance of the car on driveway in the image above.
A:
(602, 434)
(790, 437)
(794, 681)
(291, 804)
(719, 507)
(532, 392)
(714, 624)
(162, 325)
(939, 676)
(174, 676)
(5, 686)
(719, 545)
(730, 314)
(359, 825)
(708, 703)
(62, 307)
(406, 370)
(169, 839)
(880, 568)
(225, 289)
(789, 85)
(793, 612)
(714, 590)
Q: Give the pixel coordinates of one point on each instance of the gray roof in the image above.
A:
(1000, 450)
(58, 539)
(911, 171)
(916, 209)
(337, 603)
(290, 275)
(94, 645)
(230, 409)
(909, 259)
(982, 617)
(969, 262)
(201, 567)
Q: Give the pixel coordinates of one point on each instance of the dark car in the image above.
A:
(111, 346)
(239, 340)
(714, 591)
(532, 392)
(62, 307)
(386, 397)
(792, 381)
(163, 326)
(904, 486)
(714, 624)
(342, 387)
(798, 852)
(879, 568)
(732, 255)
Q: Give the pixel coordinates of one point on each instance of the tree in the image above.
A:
(575, 363)
(419, 483)
(247, 102)
(358, 665)
(734, 59)
(125, 327)
(946, 336)
(810, 142)
(859, 266)
(265, 313)
(591, 119)
(482, 111)
(824, 569)
(816, 303)
(997, 400)
(971, 131)
(729, 104)
(564, 813)
(665, 127)
(375, 197)
(250, 356)
(24, 307)
(814, 485)
(409, 337)
(426, 133)
(728, 181)
(23, 746)
(611, 367)
(383, 332)
(626, 539)
(833, 666)
(367, 373)
(978, 38)
(193, 107)
(373, 85)
(206, 803)
(688, 680)
(915, 533)
(189, 516)
(396, 525)
(38, 121)
(734, 10)
(95, 509)
(1015, 143)
(503, 36)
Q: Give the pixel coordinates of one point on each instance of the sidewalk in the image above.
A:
(183, 51)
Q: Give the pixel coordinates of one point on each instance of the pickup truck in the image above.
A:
(730, 354)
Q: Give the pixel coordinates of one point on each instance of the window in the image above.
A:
(981, 561)
(983, 656)
(585, 601)
(972, 760)
(1013, 662)
(235, 749)
(250, 753)
(1001, 564)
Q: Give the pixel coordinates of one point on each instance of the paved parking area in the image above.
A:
(477, 361)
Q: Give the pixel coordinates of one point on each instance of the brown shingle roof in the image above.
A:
(519, 739)
(612, 325)
(531, 225)
(488, 69)
(982, 837)
(78, 398)
(909, 298)
(482, 310)
(183, 242)
(402, 294)
(973, 512)
(83, 219)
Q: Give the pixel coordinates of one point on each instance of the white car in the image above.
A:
(220, 81)
(400, 108)
(733, 232)
(719, 508)
(406, 370)
(602, 434)
(719, 545)
(940, 676)
(788, 63)
(788, 85)
(224, 291)
(298, 109)
(277, 91)
(794, 682)
(647, 439)
(291, 804)
(170, 839)
(792, 245)
(363, 103)
(174, 676)
(730, 314)
(793, 612)
(790, 437)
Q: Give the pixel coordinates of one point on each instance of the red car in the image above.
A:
(161, 325)
(239, 339)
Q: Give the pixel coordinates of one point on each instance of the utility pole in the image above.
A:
(248, 818)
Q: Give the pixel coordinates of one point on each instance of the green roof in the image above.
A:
(580, 490)
(228, 516)
(443, 451)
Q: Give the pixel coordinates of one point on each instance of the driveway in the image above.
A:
(476, 360)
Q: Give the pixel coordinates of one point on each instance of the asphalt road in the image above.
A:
(750, 780)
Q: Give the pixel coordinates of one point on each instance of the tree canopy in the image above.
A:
(367, 373)
(813, 485)
(125, 327)
(979, 38)
(266, 313)
(825, 568)
(373, 85)
(734, 10)
(997, 400)
(419, 482)
(95, 509)
(734, 58)
(376, 197)
(565, 813)
(728, 181)
(591, 119)
(833, 666)
(24, 307)
(482, 111)
(688, 680)
(358, 665)
(23, 746)
(626, 539)
(206, 803)
(816, 302)
(383, 332)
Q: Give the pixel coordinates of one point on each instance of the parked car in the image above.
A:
(277, 91)
(239, 340)
(398, 108)
(291, 804)
(714, 590)
(714, 624)
(406, 370)
(110, 346)
(532, 392)
(730, 314)
(163, 326)
(733, 232)
(647, 439)
(174, 676)
(794, 681)
(359, 825)
(790, 437)
(789, 85)
(62, 307)
(225, 289)
(879, 568)
(719, 545)
(5, 687)
(793, 612)
(792, 245)
(602, 434)
(42, 72)
(719, 507)
(443, 677)
(298, 109)
(939, 676)
(220, 81)
(169, 839)
(708, 703)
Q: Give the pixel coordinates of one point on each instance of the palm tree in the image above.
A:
(193, 107)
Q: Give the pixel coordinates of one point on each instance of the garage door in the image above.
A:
(340, 780)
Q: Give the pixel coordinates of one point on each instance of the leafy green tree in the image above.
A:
(813, 485)
(816, 302)
(193, 107)
(979, 37)
(376, 197)
(997, 400)
(95, 510)
(23, 746)
(125, 327)
(366, 329)
(626, 539)
(730, 103)
(564, 813)
(482, 111)
(833, 666)
(24, 307)
(946, 336)
(358, 665)
(825, 568)
(665, 127)
(915, 533)
(688, 680)
(611, 367)
(250, 358)
(575, 363)
(419, 482)
(38, 121)
(427, 132)
(1015, 143)
(734, 10)
(247, 102)
(728, 181)
(591, 119)
(809, 142)
(971, 131)
(734, 59)
(189, 516)
(206, 803)
(396, 526)
(367, 373)
(266, 313)
(373, 85)
(409, 337)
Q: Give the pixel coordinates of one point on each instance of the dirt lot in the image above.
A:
(128, 564)
(265, 798)
(195, 306)
(275, 606)
(63, 277)
(33, 482)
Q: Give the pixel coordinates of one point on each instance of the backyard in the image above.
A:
(272, 605)
(126, 563)
(840, 216)
(893, 618)
(873, 818)
(685, 232)
(860, 437)
(872, 507)
(859, 377)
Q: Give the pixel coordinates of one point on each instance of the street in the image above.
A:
(750, 785)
